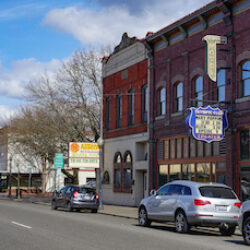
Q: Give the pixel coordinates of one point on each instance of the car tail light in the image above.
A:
(201, 202)
(75, 194)
(237, 204)
(97, 196)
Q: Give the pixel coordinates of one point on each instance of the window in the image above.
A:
(245, 79)
(144, 103)
(221, 85)
(117, 172)
(162, 102)
(118, 111)
(107, 113)
(163, 190)
(175, 190)
(179, 97)
(123, 173)
(163, 175)
(131, 108)
(245, 144)
(105, 177)
(198, 91)
(127, 172)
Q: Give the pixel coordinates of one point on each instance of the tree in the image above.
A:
(62, 108)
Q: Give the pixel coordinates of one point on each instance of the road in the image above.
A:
(25, 226)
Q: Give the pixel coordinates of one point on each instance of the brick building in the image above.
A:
(178, 81)
(125, 94)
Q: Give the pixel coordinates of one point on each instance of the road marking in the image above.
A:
(21, 225)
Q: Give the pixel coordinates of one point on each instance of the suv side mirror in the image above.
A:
(153, 192)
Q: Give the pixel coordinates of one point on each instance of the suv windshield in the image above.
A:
(217, 192)
(84, 190)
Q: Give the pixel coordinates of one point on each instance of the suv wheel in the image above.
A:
(143, 218)
(246, 230)
(181, 224)
(53, 205)
(227, 230)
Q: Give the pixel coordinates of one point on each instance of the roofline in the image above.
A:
(183, 20)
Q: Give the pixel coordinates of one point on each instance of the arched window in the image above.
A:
(117, 171)
(162, 101)
(127, 172)
(245, 79)
(221, 85)
(198, 91)
(179, 97)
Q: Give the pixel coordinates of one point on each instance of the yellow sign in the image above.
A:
(211, 61)
(83, 155)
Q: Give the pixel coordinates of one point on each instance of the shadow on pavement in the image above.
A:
(193, 231)
(237, 242)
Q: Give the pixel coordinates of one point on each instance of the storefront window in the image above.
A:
(163, 175)
(192, 148)
(179, 151)
(213, 165)
(166, 149)
(203, 172)
(175, 171)
(172, 148)
(185, 147)
(245, 144)
(188, 172)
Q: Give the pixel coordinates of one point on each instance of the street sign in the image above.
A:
(207, 124)
(58, 160)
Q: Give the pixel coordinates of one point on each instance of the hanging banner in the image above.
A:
(207, 124)
(83, 155)
(211, 61)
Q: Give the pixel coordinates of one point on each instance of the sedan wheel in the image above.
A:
(53, 205)
(69, 207)
(143, 218)
(227, 230)
(246, 231)
(181, 224)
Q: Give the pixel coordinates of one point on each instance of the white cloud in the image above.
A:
(13, 80)
(106, 26)
(6, 113)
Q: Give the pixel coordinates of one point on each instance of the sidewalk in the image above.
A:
(112, 210)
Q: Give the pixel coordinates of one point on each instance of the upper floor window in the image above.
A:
(245, 79)
(179, 97)
(221, 85)
(144, 103)
(108, 113)
(198, 91)
(118, 111)
(131, 107)
(162, 102)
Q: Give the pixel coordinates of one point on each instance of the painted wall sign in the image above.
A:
(211, 65)
(207, 124)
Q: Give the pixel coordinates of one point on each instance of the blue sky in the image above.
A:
(36, 35)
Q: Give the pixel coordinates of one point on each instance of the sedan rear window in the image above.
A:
(217, 192)
(83, 190)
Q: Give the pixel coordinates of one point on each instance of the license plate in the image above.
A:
(221, 208)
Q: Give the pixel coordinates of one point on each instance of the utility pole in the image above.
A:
(10, 176)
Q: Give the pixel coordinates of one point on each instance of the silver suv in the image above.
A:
(244, 221)
(189, 204)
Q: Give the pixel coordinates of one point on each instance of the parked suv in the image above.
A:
(189, 204)
(76, 197)
(244, 221)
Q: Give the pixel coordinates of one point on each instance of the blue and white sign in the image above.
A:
(207, 124)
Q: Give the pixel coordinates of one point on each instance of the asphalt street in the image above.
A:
(25, 226)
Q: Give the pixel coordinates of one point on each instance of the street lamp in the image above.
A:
(10, 176)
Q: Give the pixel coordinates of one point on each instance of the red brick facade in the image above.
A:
(114, 85)
(178, 55)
